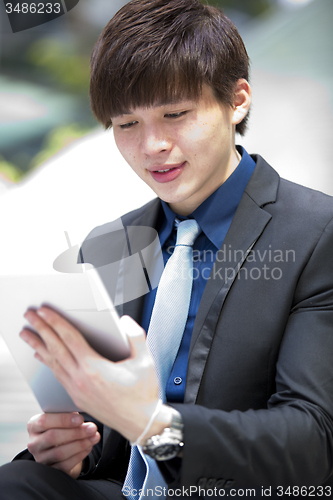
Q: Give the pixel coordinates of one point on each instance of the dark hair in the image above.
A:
(159, 51)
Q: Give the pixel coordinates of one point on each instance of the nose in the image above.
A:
(154, 141)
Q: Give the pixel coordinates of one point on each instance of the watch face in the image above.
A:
(167, 445)
(164, 451)
(167, 451)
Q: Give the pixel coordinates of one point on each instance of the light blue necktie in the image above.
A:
(165, 333)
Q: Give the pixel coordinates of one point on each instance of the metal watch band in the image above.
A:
(177, 421)
(168, 444)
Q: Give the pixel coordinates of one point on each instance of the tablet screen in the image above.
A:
(81, 298)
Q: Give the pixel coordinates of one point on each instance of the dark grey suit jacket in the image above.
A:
(258, 407)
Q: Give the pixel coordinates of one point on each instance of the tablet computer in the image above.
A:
(83, 300)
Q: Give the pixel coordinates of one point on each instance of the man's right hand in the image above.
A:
(61, 440)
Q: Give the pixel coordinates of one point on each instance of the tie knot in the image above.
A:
(187, 232)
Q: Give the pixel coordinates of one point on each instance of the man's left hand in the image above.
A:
(122, 395)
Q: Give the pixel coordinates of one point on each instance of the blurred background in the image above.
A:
(59, 171)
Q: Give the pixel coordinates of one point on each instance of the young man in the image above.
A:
(249, 390)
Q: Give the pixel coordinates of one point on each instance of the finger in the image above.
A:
(54, 438)
(44, 360)
(71, 337)
(62, 453)
(34, 341)
(68, 465)
(55, 347)
(44, 446)
(32, 338)
(42, 354)
(59, 437)
(44, 421)
(41, 351)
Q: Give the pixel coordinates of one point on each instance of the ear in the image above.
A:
(242, 100)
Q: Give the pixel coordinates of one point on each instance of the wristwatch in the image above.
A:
(168, 444)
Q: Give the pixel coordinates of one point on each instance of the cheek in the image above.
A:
(200, 142)
(196, 134)
(126, 149)
(203, 134)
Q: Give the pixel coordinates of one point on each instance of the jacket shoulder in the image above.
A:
(287, 199)
(303, 203)
(99, 243)
(125, 220)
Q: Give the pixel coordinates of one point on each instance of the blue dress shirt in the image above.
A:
(214, 216)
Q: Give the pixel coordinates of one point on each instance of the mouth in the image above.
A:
(167, 173)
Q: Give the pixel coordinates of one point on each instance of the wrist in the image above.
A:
(159, 419)
(169, 443)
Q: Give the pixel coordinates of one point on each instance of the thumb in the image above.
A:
(136, 335)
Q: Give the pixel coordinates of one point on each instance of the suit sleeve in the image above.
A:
(291, 441)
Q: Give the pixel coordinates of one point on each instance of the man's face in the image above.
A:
(184, 151)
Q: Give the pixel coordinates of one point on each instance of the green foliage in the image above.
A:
(61, 62)
(56, 140)
(9, 171)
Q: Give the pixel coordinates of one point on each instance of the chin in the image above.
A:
(170, 200)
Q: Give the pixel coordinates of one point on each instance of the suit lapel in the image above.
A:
(148, 218)
(247, 226)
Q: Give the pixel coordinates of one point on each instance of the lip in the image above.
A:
(173, 172)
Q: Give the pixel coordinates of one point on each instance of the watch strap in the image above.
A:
(168, 444)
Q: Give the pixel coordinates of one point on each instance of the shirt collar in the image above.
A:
(219, 207)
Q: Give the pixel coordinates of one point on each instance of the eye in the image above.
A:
(175, 115)
(125, 126)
